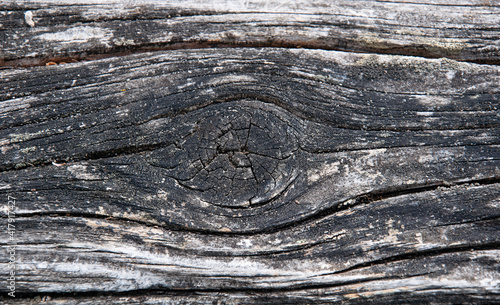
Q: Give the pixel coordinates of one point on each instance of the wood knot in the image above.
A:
(234, 155)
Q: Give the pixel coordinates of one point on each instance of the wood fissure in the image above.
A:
(122, 52)
(362, 199)
(427, 253)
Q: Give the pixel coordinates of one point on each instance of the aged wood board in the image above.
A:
(249, 152)
(460, 29)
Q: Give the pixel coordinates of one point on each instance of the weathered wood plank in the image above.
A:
(403, 251)
(32, 32)
(255, 176)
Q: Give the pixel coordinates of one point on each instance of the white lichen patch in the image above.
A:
(145, 233)
(155, 124)
(81, 172)
(78, 34)
(425, 113)
(199, 201)
(419, 239)
(122, 112)
(467, 276)
(495, 203)
(121, 41)
(450, 74)
(102, 211)
(140, 216)
(303, 74)
(246, 243)
(5, 148)
(373, 156)
(188, 83)
(392, 233)
(122, 278)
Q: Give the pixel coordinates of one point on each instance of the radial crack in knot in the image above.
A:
(237, 156)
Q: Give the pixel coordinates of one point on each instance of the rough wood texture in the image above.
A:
(464, 30)
(249, 175)
(274, 172)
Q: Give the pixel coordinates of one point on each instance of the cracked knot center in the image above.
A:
(234, 155)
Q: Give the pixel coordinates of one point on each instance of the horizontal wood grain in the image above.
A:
(383, 187)
(340, 254)
(466, 30)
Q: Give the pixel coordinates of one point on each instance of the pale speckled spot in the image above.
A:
(328, 169)
(27, 150)
(187, 84)
(77, 34)
(123, 112)
(418, 237)
(231, 79)
(425, 113)
(246, 243)
(434, 157)
(162, 194)
(451, 74)
(431, 100)
(495, 203)
(80, 172)
(28, 18)
(202, 203)
(4, 148)
(121, 41)
(19, 137)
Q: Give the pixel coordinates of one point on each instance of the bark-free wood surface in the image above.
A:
(250, 175)
(464, 30)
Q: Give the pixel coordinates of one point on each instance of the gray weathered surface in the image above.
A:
(251, 175)
(369, 199)
(464, 30)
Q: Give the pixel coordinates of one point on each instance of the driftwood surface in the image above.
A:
(229, 166)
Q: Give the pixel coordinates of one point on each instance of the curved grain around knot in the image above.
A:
(230, 166)
(245, 140)
(266, 172)
(235, 155)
